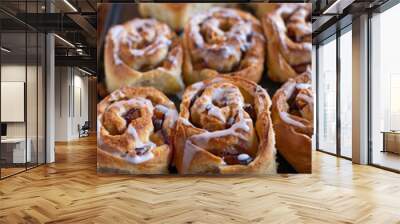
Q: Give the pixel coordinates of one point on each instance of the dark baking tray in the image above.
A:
(117, 13)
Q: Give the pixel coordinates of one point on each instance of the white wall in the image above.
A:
(80, 110)
(61, 104)
(71, 94)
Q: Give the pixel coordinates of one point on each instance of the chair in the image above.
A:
(84, 130)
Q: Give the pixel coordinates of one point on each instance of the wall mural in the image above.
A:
(212, 88)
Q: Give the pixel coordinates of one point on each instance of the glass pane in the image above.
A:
(31, 99)
(41, 99)
(327, 97)
(13, 84)
(385, 85)
(346, 94)
(314, 87)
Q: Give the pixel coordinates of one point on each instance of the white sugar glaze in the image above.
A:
(306, 98)
(99, 127)
(289, 89)
(185, 121)
(117, 32)
(235, 39)
(138, 102)
(216, 112)
(138, 141)
(116, 95)
(286, 118)
(303, 86)
(129, 35)
(230, 94)
(243, 157)
(202, 139)
(188, 154)
(165, 110)
(195, 88)
(137, 159)
(169, 113)
(285, 17)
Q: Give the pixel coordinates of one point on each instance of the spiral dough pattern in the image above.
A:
(223, 41)
(143, 52)
(224, 127)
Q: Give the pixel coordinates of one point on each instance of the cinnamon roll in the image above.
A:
(288, 31)
(135, 127)
(292, 116)
(262, 8)
(223, 41)
(143, 52)
(174, 14)
(224, 126)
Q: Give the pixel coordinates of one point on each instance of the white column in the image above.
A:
(50, 98)
(50, 92)
(360, 90)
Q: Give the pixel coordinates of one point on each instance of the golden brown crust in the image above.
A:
(107, 162)
(292, 116)
(175, 15)
(263, 8)
(288, 31)
(143, 52)
(223, 41)
(202, 145)
(135, 129)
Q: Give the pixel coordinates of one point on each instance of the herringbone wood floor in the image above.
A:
(70, 191)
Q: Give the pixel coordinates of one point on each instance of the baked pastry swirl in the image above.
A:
(175, 14)
(224, 126)
(135, 126)
(292, 116)
(262, 8)
(143, 52)
(223, 41)
(288, 30)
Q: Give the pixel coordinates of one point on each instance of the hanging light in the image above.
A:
(64, 40)
(70, 5)
(84, 71)
(5, 50)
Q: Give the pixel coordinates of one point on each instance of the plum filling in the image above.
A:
(298, 106)
(230, 122)
(233, 156)
(244, 159)
(301, 68)
(250, 110)
(160, 136)
(195, 97)
(158, 120)
(293, 107)
(236, 159)
(142, 150)
(131, 115)
(157, 124)
(221, 102)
